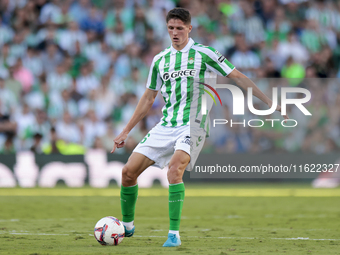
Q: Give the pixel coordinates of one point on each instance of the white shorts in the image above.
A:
(161, 143)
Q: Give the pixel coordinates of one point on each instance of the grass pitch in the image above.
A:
(228, 219)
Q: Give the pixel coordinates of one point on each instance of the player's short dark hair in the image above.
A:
(179, 13)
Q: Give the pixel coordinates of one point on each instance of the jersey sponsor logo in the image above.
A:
(180, 73)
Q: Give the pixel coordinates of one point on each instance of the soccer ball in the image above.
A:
(109, 231)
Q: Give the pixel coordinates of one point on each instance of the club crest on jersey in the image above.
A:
(180, 73)
(191, 61)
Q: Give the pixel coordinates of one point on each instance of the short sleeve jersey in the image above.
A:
(176, 73)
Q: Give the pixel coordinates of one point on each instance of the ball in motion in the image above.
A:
(109, 231)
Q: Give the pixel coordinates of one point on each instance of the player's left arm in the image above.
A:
(244, 82)
(217, 63)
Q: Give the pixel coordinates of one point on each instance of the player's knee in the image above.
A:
(128, 177)
(175, 174)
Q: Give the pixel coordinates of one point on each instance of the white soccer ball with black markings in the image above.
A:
(109, 231)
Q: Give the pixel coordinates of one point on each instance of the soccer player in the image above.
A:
(169, 143)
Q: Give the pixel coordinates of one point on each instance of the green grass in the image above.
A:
(257, 219)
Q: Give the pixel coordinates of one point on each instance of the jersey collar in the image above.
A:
(185, 49)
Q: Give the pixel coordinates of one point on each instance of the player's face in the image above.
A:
(179, 33)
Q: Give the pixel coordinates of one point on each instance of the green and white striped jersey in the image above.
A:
(176, 74)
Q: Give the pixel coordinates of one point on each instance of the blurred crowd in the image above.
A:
(72, 72)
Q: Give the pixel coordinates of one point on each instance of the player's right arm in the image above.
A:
(142, 109)
(153, 84)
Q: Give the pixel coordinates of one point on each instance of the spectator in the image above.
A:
(118, 38)
(292, 47)
(8, 147)
(93, 128)
(51, 58)
(140, 25)
(69, 37)
(102, 60)
(73, 92)
(52, 146)
(18, 47)
(63, 17)
(23, 75)
(43, 126)
(106, 97)
(59, 80)
(7, 98)
(78, 61)
(93, 47)
(80, 10)
(32, 62)
(41, 98)
(312, 37)
(87, 80)
(37, 145)
(94, 21)
(4, 57)
(294, 71)
(6, 126)
(49, 11)
(6, 33)
(279, 26)
(295, 14)
(250, 25)
(61, 104)
(13, 84)
(67, 130)
(26, 122)
(120, 13)
(47, 35)
(246, 60)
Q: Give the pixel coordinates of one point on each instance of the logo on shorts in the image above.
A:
(187, 140)
(199, 139)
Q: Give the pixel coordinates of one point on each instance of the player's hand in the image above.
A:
(278, 108)
(119, 141)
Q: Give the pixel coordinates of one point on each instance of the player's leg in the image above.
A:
(177, 165)
(136, 164)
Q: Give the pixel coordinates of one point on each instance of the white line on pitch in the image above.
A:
(233, 237)
(39, 234)
(204, 237)
(306, 238)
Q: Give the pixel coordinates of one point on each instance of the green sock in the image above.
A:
(176, 197)
(128, 198)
